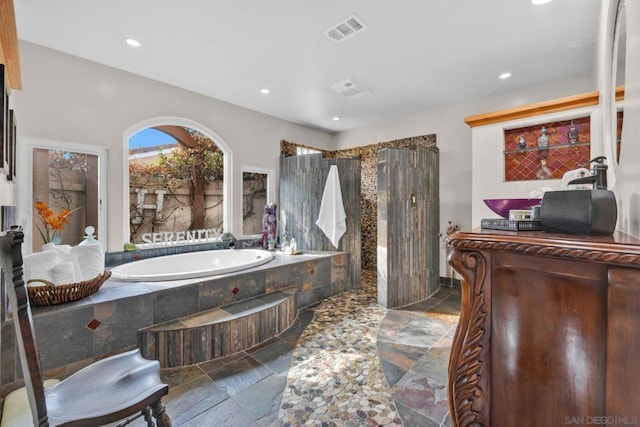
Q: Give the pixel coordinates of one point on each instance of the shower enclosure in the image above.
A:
(302, 182)
(408, 221)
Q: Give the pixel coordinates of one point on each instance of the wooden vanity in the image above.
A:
(549, 331)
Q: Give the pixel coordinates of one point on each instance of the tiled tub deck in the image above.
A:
(72, 335)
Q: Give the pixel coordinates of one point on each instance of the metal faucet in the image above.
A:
(599, 177)
(228, 241)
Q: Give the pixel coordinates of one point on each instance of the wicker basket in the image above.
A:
(51, 294)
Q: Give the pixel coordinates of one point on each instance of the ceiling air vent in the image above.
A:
(350, 89)
(347, 28)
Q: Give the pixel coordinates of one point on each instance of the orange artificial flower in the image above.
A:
(53, 222)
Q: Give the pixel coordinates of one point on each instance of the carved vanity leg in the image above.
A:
(161, 416)
(469, 396)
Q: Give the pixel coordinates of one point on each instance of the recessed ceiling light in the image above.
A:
(537, 2)
(504, 75)
(335, 118)
(132, 42)
(265, 91)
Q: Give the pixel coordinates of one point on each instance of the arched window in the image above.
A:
(178, 181)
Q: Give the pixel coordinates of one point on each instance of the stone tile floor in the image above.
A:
(254, 388)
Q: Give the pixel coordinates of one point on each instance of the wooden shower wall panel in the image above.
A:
(368, 156)
(302, 183)
(408, 219)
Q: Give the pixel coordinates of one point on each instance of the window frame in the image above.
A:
(25, 204)
(270, 173)
(228, 223)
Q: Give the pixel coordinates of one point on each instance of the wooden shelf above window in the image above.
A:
(561, 104)
(9, 55)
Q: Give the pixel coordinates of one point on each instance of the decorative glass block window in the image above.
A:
(547, 150)
(300, 151)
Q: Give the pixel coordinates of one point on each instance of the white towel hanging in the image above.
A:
(332, 217)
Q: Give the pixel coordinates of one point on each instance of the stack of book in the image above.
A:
(511, 224)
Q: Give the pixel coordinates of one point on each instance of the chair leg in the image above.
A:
(146, 412)
(161, 416)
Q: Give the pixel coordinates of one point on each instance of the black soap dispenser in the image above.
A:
(589, 212)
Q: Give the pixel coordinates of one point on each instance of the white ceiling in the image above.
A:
(415, 55)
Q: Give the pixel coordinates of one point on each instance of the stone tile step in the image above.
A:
(219, 332)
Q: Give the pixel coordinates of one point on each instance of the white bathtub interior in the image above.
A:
(190, 265)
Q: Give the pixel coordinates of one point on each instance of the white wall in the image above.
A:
(453, 138)
(7, 188)
(6, 192)
(65, 98)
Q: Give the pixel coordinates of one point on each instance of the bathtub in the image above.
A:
(190, 265)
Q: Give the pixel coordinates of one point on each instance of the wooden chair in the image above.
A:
(107, 391)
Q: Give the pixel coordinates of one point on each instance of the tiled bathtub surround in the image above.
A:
(74, 334)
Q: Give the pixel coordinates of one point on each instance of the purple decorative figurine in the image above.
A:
(269, 226)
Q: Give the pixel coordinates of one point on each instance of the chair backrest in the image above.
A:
(11, 257)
